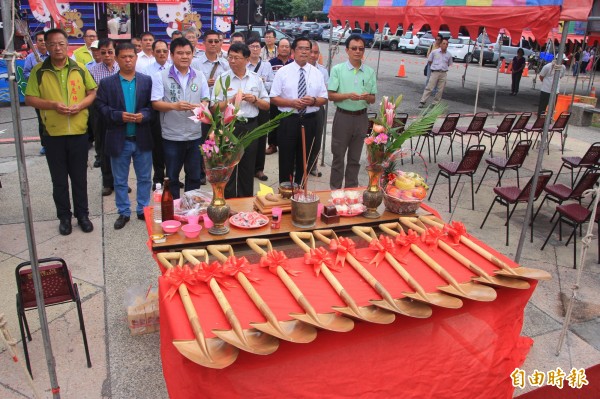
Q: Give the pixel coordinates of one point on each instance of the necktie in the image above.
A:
(301, 89)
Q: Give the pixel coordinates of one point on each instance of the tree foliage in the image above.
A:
(302, 9)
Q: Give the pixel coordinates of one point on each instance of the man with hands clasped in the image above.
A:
(352, 87)
(176, 91)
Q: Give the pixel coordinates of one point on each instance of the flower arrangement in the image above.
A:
(388, 134)
(222, 148)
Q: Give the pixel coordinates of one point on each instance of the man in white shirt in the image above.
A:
(313, 59)
(298, 87)
(547, 77)
(146, 56)
(439, 61)
(255, 98)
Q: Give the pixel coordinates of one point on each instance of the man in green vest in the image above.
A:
(63, 89)
(84, 53)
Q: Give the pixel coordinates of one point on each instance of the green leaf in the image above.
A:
(421, 125)
(262, 130)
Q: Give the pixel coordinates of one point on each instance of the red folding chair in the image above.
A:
(559, 127)
(575, 216)
(589, 159)
(467, 166)
(535, 128)
(560, 193)
(500, 165)
(475, 128)
(445, 130)
(58, 289)
(520, 125)
(502, 130)
(512, 195)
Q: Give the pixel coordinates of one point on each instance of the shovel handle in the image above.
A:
(299, 237)
(295, 291)
(410, 280)
(433, 265)
(192, 255)
(218, 251)
(227, 309)
(323, 235)
(260, 303)
(256, 245)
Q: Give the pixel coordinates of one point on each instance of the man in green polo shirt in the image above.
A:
(352, 87)
(63, 89)
(84, 53)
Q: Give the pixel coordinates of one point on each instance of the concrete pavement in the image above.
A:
(106, 263)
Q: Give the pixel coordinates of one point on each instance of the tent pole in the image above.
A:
(544, 139)
(483, 35)
(329, 61)
(566, 133)
(497, 74)
(8, 16)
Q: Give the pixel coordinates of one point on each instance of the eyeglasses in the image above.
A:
(109, 52)
(303, 48)
(254, 46)
(357, 49)
(59, 44)
(232, 58)
(214, 41)
(161, 51)
(91, 35)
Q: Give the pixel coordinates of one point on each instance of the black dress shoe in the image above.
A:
(121, 222)
(106, 191)
(261, 176)
(181, 185)
(203, 181)
(85, 224)
(141, 216)
(128, 189)
(316, 172)
(97, 163)
(65, 227)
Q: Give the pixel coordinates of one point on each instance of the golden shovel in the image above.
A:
(249, 340)
(327, 321)
(372, 314)
(290, 330)
(403, 306)
(506, 271)
(433, 298)
(208, 352)
(469, 289)
(394, 228)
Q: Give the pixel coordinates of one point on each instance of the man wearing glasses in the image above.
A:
(265, 72)
(84, 53)
(176, 91)
(104, 69)
(210, 63)
(63, 89)
(270, 50)
(283, 58)
(298, 87)
(352, 87)
(255, 98)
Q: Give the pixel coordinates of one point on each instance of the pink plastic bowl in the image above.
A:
(170, 226)
(191, 230)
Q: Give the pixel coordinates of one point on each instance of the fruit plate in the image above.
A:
(249, 220)
(402, 207)
(350, 212)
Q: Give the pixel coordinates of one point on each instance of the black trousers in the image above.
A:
(241, 183)
(40, 126)
(100, 137)
(516, 81)
(544, 100)
(290, 145)
(158, 155)
(263, 117)
(272, 140)
(313, 161)
(67, 158)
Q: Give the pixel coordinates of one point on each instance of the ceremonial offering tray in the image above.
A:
(249, 220)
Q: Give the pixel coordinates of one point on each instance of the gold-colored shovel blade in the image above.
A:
(501, 281)
(405, 307)
(221, 354)
(291, 330)
(526, 272)
(436, 298)
(470, 290)
(372, 314)
(326, 321)
(257, 342)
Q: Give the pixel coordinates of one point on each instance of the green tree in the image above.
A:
(305, 8)
(278, 9)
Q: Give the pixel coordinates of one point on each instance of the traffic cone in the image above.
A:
(503, 66)
(509, 69)
(401, 71)
(526, 70)
(593, 92)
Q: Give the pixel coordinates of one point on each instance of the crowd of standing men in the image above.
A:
(135, 100)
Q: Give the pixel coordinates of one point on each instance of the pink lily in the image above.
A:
(202, 114)
(389, 116)
(238, 99)
(369, 140)
(229, 114)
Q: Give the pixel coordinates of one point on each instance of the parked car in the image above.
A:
(426, 40)
(317, 34)
(409, 41)
(461, 48)
(260, 29)
(489, 56)
(369, 36)
(304, 29)
(509, 50)
(340, 34)
(389, 39)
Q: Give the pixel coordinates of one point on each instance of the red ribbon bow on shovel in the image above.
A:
(206, 272)
(454, 231)
(319, 256)
(274, 259)
(382, 245)
(181, 275)
(343, 246)
(404, 241)
(233, 265)
(431, 237)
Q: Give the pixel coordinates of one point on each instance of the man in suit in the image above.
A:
(124, 102)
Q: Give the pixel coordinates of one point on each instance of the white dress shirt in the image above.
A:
(265, 71)
(143, 61)
(285, 84)
(155, 67)
(250, 83)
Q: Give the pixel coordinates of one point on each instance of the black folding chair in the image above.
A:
(502, 130)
